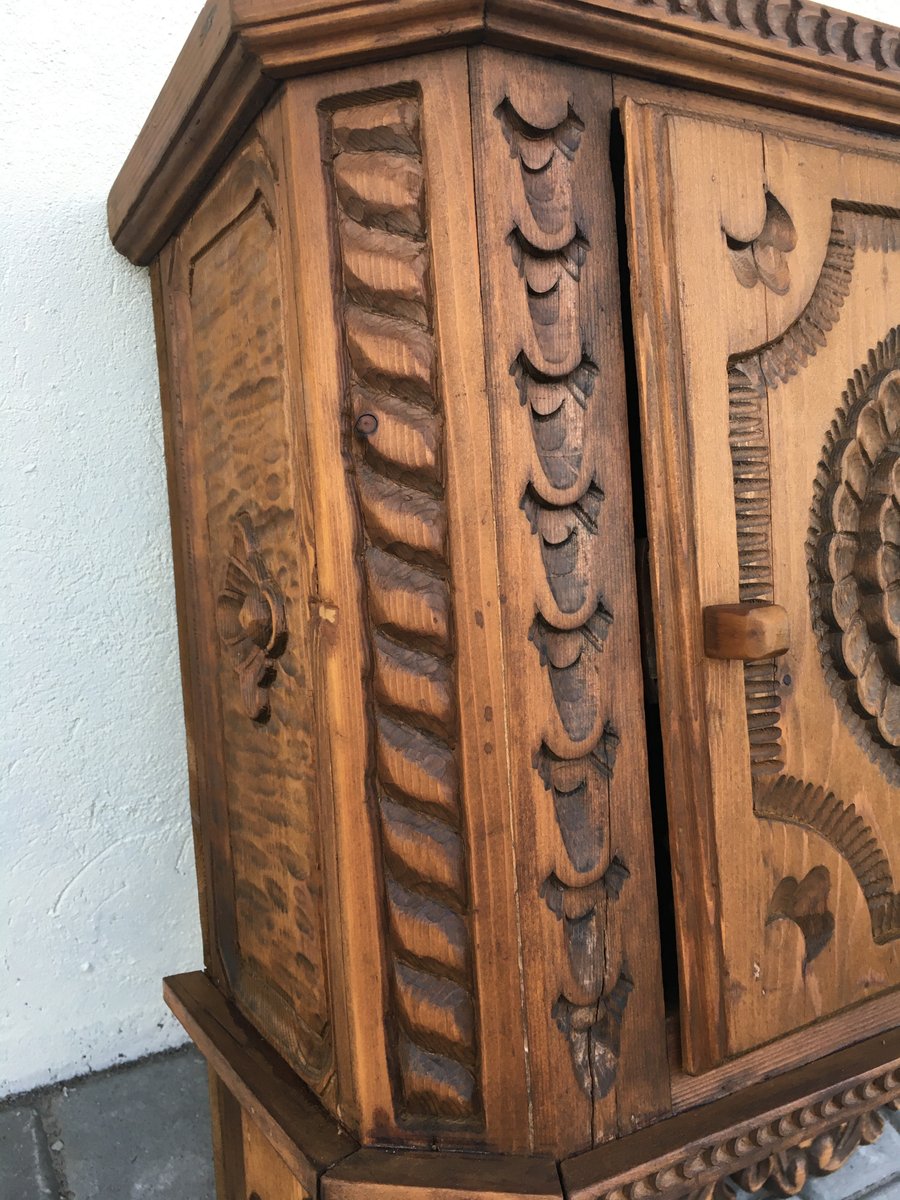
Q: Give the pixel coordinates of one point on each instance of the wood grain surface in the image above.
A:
(232, 440)
(577, 751)
(772, 384)
(801, 57)
(412, 419)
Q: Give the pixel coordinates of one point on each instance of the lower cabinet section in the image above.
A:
(248, 1167)
(274, 1141)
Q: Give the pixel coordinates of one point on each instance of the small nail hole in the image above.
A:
(366, 424)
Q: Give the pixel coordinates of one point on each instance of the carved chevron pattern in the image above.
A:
(751, 376)
(794, 23)
(563, 504)
(753, 1156)
(796, 803)
(395, 430)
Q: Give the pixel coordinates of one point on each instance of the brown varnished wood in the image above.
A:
(181, 565)
(375, 1174)
(801, 820)
(257, 788)
(266, 1175)
(227, 1140)
(405, 460)
(547, 237)
(808, 59)
(783, 1128)
(748, 631)
(815, 1041)
(264, 1085)
(668, 486)
(214, 92)
(425, 568)
(741, 1136)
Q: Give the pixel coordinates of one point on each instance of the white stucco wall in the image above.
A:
(96, 873)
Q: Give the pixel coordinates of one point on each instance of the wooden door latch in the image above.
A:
(745, 631)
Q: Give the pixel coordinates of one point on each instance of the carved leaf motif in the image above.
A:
(556, 379)
(565, 534)
(557, 406)
(581, 908)
(593, 1032)
(764, 258)
(580, 793)
(790, 800)
(806, 904)
(571, 659)
(543, 155)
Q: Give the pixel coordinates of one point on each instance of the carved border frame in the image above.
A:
(778, 796)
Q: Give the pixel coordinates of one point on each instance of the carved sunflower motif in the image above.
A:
(251, 619)
(855, 554)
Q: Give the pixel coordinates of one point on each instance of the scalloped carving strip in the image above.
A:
(563, 503)
(794, 23)
(796, 803)
(394, 441)
(707, 1172)
(787, 1172)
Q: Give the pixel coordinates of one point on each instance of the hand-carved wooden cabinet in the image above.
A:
(531, 378)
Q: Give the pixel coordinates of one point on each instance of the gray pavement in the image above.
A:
(141, 1132)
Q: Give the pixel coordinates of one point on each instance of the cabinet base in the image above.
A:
(772, 1136)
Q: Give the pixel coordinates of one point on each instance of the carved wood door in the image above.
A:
(766, 287)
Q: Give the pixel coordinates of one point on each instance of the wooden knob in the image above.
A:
(745, 631)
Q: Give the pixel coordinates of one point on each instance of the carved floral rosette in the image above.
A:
(251, 619)
(855, 554)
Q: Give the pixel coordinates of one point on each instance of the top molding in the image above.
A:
(789, 54)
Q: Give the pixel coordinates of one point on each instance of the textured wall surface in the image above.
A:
(96, 872)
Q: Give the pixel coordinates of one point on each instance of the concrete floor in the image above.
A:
(141, 1132)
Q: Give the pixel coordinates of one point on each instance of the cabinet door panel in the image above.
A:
(767, 315)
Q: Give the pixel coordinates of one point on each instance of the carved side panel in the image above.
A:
(250, 568)
(394, 443)
(548, 246)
